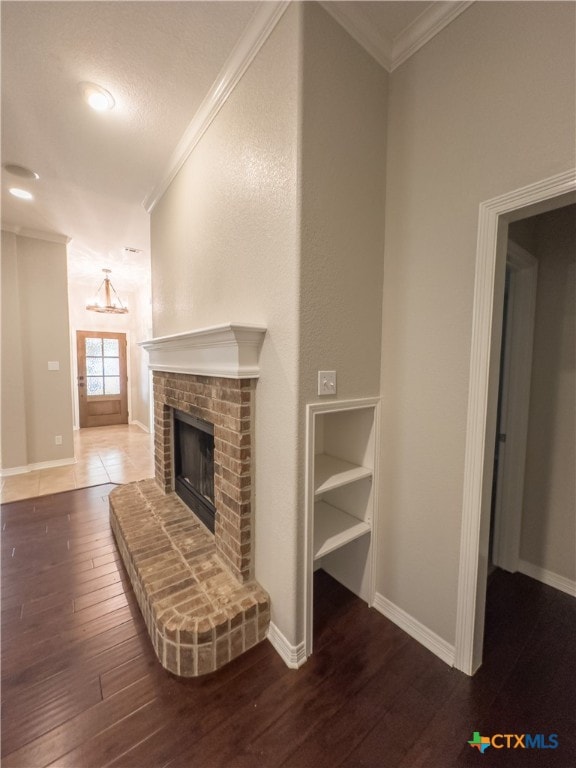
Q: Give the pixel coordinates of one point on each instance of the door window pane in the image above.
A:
(112, 384)
(94, 366)
(111, 366)
(95, 385)
(94, 347)
(102, 366)
(111, 348)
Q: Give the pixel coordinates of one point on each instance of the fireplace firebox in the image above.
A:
(194, 465)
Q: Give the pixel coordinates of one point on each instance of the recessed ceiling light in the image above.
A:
(97, 97)
(20, 170)
(21, 193)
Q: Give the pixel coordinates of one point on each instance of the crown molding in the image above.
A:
(265, 18)
(362, 30)
(424, 28)
(391, 53)
(387, 53)
(37, 234)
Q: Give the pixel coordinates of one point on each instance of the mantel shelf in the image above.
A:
(230, 350)
(333, 528)
(331, 473)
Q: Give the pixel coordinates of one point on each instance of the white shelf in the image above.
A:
(331, 473)
(333, 528)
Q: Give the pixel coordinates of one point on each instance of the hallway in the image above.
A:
(118, 454)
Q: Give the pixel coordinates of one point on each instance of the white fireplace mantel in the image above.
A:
(230, 350)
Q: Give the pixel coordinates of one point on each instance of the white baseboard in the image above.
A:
(415, 629)
(139, 424)
(38, 465)
(549, 578)
(292, 655)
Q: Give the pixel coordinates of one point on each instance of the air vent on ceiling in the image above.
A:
(127, 249)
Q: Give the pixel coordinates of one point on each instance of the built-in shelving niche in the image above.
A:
(341, 470)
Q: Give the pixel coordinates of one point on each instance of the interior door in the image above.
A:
(102, 378)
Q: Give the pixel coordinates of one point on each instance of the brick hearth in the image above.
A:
(198, 615)
(196, 590)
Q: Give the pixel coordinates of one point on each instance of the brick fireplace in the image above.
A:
(196, 589)
(228, 405)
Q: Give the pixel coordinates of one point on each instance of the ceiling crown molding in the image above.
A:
(37, 234)
(362, 30)
(391, 53)
(265, 18)
(424, 28)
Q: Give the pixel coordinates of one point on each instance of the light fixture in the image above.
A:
(23, 194)
(110, 305)
(20, 170)
(97, 97)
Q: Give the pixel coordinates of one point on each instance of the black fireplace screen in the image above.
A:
(194, 465)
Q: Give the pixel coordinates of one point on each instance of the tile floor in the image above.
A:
(118, 454)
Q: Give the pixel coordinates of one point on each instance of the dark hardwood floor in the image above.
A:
(81, 686)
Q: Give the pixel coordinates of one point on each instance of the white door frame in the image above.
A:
(516, 379)
(493, 220)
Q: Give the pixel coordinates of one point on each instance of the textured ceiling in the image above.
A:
(159, 60)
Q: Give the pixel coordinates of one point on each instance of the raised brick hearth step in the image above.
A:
(198, 614)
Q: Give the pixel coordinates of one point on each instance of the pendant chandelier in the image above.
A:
(112, 303)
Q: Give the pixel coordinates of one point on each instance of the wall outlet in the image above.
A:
(53, 365)
(57, 439)
(326, 382)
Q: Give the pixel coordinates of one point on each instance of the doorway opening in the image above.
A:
(512, 414)
(494, 218)
(102, 378)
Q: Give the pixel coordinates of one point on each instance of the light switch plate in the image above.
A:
(326, 382)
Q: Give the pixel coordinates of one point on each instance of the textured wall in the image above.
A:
(225, 248)
(484, 108)
(343, 151)
(343, 184)
(39, 279)
(549, 520)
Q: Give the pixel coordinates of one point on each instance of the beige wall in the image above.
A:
(342, 231)
(343, 165)
(484, 108)
(36, 402)
(13, 413)
(549, 520)
(136, 325)
(225, 246)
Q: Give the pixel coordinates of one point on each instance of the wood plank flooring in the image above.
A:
(81, 686)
